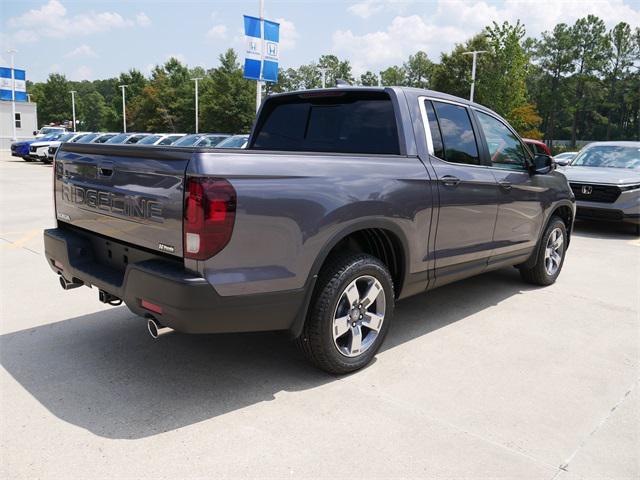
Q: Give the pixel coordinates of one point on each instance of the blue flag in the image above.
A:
(262, 49)
(6, 84)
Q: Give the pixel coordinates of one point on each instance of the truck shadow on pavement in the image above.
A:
(102, 372)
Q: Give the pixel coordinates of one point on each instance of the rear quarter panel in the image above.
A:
(292, 207)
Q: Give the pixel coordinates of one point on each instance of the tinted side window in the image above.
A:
(505, 148)
(351, 123)
(457, 134)
(436, 135)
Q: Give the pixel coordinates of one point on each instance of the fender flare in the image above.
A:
(362, 224)
(533, 259)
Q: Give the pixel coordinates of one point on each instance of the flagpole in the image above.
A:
(259, 83)
(13, 93)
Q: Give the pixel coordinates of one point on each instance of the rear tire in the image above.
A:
(349, 315)
(551, 253)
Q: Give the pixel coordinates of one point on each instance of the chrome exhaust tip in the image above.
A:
(66, 285)
(156, 329)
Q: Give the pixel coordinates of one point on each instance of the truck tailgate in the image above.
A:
(133, 194)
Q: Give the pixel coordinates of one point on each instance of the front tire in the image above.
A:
(349, 315)
(551, 253)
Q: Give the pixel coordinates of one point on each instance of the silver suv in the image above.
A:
(605, 178)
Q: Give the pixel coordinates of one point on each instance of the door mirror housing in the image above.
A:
(542, 164)
(35, 132)
(563, 162)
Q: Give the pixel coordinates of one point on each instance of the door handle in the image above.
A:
(105, 169)
(505, 185)
(450, 180)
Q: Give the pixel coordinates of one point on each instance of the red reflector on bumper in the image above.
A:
(152, 307)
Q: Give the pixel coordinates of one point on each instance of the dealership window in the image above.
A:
(18, 120)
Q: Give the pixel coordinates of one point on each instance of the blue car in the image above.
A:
(21, 149)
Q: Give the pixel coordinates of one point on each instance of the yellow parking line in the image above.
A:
(24, 239)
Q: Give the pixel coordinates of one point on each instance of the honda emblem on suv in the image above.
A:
(587, 189)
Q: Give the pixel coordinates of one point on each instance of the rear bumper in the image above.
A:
(189, 303)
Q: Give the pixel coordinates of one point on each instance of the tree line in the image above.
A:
(577, 81)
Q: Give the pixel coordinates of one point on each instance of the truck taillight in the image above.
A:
(209, 215)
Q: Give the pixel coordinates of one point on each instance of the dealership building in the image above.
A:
(26, 112)
(26, 122)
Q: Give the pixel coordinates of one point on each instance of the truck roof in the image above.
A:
(411, 91)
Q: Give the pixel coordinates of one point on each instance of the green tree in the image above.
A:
(166, 101)
(592, 48)
(93, 112)
(419, 70)
(554, 53)
(308, 76)
(369, 79)
(53, 99)
(336, 69)
(504, 78)
(228, 99)
(393, 76)
(453, 74)
(626, 50)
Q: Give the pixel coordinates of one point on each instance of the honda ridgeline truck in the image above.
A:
(345, 201)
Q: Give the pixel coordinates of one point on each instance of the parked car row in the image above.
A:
(43, 148)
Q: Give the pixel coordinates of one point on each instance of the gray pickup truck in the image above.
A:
(345, 201)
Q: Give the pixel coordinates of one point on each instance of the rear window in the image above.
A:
(150, 140)
(344, 123)
(187, 141)
(104, 138)
(86, 138)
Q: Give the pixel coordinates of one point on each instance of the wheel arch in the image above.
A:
(566, 211)
(379, 237)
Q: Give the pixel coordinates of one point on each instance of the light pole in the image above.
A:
(124, 109)
(11, 52)
(73, 108)
(323, 71)
(196, 80)
(259, 82)
(475, 54)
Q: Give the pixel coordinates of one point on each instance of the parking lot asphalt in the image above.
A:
(486, 378)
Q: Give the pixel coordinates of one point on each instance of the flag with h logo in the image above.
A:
(262, 49)
(6, 84)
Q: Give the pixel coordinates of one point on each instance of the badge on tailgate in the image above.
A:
(114, 203)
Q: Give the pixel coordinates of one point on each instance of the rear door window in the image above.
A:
(343, 123)
(436, 135)
(458, 138)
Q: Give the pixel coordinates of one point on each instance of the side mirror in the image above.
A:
(542, 164)
(563, 162)
(35, 132)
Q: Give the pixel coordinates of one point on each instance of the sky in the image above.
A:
(98, 39)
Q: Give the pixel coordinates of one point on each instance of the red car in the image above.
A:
(536, 146)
